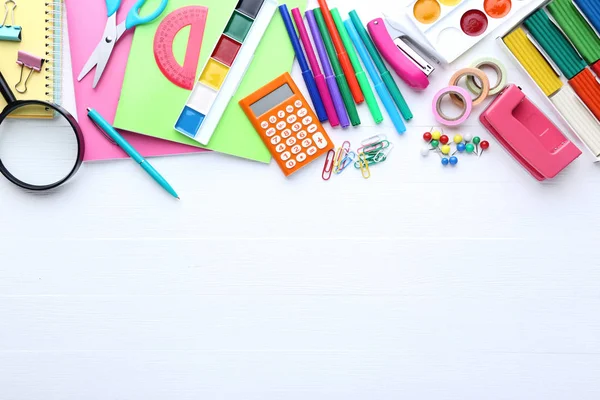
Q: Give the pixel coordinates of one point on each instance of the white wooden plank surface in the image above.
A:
(422, 283)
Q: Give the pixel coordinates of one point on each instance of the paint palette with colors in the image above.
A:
(454, 26)
(225, 69)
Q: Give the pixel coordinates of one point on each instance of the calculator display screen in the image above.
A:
(273, 99)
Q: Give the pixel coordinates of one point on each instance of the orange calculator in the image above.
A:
(286, 123)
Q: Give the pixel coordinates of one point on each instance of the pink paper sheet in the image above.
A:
(86, 21)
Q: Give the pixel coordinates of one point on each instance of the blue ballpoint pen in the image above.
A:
(131, 152)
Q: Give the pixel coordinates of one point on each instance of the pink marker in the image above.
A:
(314, 65)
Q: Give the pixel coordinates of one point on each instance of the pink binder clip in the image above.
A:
(30, 61)
(528, 135)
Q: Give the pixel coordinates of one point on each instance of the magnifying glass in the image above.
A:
(38, 154)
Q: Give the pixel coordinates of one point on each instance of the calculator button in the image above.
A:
(311, 150)
(291, 141)
(281, 125)
(298, 104)
(281, 114)
(276, 139)
(297, 126)
(301, 157)
(280, 148)
(272, 119)
(264, 124)
(289, 109)
(290, 164)
(307, 120)
(296, 149)
(302, 113)
(271, 132)
(286, 155)
(306, 142)
(286, 134)
(302, 134)
(291, 119)
(320, 140)
(312, 129)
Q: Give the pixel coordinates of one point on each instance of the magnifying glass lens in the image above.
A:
(38, 152)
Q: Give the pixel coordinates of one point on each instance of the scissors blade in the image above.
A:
(91, 62)
(102, 52)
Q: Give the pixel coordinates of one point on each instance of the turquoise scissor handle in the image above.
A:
(112, 6)
(134, 18)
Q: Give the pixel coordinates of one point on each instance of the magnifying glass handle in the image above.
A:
(5, 90)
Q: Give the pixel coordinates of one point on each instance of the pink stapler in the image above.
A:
(404, 54)
(527, 134)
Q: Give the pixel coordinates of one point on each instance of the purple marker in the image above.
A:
(329, 76)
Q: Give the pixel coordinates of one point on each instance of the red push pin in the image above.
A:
(484, 146)
(444, 139)
(427, 137)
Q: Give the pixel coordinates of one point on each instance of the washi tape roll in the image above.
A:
(501, 74)
(466, 72)
(465, 102)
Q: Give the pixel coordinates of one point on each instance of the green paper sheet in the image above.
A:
(150, 104)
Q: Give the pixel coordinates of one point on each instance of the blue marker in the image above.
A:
(381, 89)
(306, 72)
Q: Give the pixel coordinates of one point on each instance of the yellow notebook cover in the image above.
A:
(40, 21)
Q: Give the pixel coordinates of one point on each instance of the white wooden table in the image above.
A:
(424, 282)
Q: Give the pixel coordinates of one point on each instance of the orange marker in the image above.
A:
(342, 55)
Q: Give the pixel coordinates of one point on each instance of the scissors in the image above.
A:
(114, 32)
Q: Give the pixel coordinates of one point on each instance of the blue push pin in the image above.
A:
(453, 160)
(445, 161)
(461, 147)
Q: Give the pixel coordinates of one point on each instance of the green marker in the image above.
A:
(383, 71)
(363, 81)
(337, 69)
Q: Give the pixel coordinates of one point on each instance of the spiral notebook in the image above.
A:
(41, 36)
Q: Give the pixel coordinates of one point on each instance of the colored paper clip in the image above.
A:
(383, 154)
(12, 32)
(341, 153)
(364, 166)
(376, 147)
(328, 167)
(348, 160)
(373, 140)
(30, 61)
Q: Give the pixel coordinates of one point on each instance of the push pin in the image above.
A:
(446, 149)
(436, 135)
(427, 137)
(470, 148)
(458, 139)
(12, 32)
(445, 161)
(30, 61)
(453, 160)
(468, 138)
(484, 146)
(460, 148)
(476, 141)
(444, 139)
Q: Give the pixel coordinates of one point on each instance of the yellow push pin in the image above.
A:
(445, 149)
(458, 139)
(436, 135)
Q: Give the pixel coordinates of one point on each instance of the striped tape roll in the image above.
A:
(534, 63)
(555, 44)
(577, 29)
(581, 120)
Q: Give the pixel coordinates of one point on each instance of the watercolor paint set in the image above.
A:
(454, 26)
(225, 69)
(556, 48)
